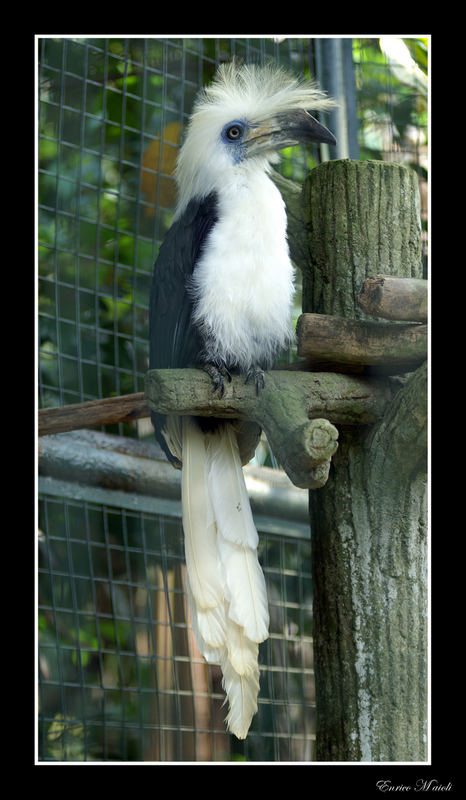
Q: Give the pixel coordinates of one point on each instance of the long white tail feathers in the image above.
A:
(225, 584)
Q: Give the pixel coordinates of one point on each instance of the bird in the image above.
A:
(221, 301)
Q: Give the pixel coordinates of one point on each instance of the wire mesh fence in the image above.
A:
(120, 675)
(118, 657)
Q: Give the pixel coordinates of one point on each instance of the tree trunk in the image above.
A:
(368, 523)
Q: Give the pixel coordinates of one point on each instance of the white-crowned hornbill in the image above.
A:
(221, 300)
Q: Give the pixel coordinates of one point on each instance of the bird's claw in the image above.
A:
(218, 376)
(257, 373)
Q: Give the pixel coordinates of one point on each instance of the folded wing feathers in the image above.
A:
(226, 587)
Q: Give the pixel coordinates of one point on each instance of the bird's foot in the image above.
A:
(257, 373)
(218, 375)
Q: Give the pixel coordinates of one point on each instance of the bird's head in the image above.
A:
(242, 120)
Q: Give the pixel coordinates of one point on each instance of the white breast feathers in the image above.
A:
(243, 284)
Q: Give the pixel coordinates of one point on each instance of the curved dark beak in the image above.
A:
(286, 130)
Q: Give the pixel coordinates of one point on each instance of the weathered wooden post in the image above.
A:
(368, 523)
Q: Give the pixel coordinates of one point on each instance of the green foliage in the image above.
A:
(392, 99)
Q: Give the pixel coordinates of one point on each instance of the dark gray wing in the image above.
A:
(174, 341)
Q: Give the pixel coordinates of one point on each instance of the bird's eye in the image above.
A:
(234, 132)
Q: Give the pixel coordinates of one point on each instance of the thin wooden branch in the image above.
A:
(346, 341)
(107, 411)
(394, 298)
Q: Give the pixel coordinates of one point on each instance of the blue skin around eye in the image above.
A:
(236, 145)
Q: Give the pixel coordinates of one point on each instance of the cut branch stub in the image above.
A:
(296, 411)
(396, 348)
(309, 451)
(394, 298)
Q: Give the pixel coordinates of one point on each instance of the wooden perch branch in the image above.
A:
(294, 409)
(394, 298)
(396, 348)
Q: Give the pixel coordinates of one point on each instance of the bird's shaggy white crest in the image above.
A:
(238, 92)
